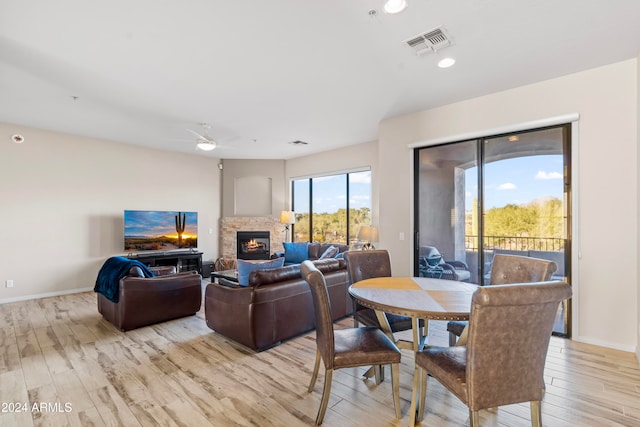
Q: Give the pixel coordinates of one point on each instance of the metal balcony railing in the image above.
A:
(516, 243)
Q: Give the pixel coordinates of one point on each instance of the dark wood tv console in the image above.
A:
(181, 260)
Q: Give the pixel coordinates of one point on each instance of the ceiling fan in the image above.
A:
(204, 142)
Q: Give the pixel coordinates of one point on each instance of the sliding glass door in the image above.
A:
(501, 194)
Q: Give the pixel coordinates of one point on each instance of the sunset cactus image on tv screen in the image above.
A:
(160, 230)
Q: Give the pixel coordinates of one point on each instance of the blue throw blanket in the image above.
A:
(114, 269)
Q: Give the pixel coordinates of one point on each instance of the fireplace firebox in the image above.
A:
(253, 244)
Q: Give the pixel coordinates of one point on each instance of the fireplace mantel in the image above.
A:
(230, 225)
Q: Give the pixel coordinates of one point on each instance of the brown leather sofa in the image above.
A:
(144, 301)
(277, 304)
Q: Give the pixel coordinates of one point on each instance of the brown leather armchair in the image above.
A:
(144, 301)
(503, 361)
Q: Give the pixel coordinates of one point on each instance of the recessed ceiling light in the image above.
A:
(446, 62)
(395, 6)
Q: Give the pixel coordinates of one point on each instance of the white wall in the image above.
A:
(606, 98)
(258, 170)
(62, 202)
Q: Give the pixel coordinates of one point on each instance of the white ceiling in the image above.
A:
(265, 73)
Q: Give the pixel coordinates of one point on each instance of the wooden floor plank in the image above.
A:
(60, 350)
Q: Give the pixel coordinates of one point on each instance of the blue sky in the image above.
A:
(517, 181)
(330, 193)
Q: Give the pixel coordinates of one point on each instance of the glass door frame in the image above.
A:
(566, 128)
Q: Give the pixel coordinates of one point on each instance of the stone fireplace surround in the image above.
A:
(230, 225)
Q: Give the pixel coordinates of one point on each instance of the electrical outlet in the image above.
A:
(9, 283)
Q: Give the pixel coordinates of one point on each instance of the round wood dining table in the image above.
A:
(416, 297)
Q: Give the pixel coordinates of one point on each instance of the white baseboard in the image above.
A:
(587, 340)
(45, 295)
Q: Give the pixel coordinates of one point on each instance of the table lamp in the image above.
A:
(368, 234)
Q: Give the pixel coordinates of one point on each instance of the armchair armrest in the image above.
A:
(229, 283)
(228, 311)
(458, 264)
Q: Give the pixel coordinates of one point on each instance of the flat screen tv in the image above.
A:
(160, 230)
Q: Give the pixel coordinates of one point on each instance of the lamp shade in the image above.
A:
(287, 217)
(368, 233)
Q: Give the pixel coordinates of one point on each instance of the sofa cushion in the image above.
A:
(246, 267)
(331, 252)
(296, 252)
(278, 275)
(317, 249)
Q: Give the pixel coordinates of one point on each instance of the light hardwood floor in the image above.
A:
(60, 352)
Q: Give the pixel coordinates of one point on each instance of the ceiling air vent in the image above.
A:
(429, 42)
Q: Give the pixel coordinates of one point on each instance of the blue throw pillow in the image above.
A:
(246, 267)
(296, 252)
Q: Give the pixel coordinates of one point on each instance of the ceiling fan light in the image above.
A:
(395, 6)
(206, 145)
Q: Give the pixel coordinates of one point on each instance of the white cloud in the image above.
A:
(360, 178)
(548, 175)
(507, 186)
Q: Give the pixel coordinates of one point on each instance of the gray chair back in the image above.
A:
(509, 332)
(362, 265)
(520, 269)
(322, 308)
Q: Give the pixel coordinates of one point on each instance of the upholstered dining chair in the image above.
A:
(508, 269)
(362, 265)
(503, 361)
(346, 348)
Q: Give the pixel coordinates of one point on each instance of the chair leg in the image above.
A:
(326, 392)
(423, 393)
(378, 371)
(536, 414)
(474, 419)
(452, 339)
(414, 396)
(355, 314)
(463, 336)
(395, 382)
(316, 368)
